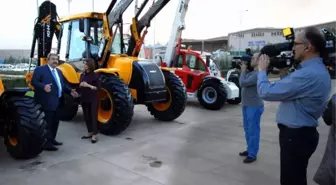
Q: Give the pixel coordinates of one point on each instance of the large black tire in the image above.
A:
(119, 99)
(69, 108)
(176, 101)
(218, 91)
(237, 100)
(25, 128)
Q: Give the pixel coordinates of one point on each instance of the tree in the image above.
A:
(10, 60)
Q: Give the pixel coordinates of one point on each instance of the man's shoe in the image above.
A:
(249, 159)
(49, 147)
(243, 153)
(57, 143)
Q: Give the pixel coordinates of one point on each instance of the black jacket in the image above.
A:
(329, 113)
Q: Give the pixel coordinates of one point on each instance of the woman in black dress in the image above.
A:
(88, 89)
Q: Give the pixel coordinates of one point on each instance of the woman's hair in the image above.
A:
(90, 63)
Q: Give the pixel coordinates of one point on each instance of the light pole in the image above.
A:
(241, 28)
(93, 5)
(37, 6)
(69, 1)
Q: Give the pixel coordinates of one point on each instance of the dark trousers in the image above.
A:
(52, 119)
(296, 147)
(90, 111)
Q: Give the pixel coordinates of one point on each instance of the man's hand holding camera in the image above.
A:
(243, 67)
(263, 62)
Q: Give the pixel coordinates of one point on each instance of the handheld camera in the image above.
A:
(237, 60)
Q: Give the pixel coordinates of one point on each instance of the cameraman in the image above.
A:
(325, 174)
(304, 95)
(252, 108)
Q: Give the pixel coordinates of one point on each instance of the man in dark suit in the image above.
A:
(49, 84)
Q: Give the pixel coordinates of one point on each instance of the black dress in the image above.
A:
(89, 100)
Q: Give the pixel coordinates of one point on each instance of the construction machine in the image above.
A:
(22, 123)
(201, 77)
(126, 80)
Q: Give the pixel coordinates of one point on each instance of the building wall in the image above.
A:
(208, 45)
(254, 39)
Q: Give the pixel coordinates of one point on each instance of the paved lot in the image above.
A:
(201, 147)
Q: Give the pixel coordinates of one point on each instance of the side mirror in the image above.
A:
(207, 60)
(81, 25)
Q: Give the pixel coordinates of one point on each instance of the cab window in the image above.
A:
(195, 63)
(180, 61)
(96, 33)
(77, 45)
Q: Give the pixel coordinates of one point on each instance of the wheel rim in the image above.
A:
(209, 95)
(12, 132)
(105, 106)
(12, 140)
(162, 106)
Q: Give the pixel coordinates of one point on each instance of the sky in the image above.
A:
(204, 19)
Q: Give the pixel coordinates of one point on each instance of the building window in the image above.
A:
(241, 35)
(259, 34)
(278, 33)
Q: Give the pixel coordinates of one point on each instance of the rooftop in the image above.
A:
(221, 38)
(257, 29)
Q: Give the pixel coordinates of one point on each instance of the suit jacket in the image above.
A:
(41, 77)
(329, 114)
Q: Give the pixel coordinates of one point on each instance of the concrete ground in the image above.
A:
(201, 147)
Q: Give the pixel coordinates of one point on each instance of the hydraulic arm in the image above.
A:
(45, 27)
(137, 26)
(174, 43)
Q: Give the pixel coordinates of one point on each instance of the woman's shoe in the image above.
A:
(93, 140)
(86, 137)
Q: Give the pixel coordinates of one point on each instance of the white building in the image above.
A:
(258, 37)
(254, 39)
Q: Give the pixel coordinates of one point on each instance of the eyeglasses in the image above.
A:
(298, 43)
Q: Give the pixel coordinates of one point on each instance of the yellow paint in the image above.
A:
(93, 15)
(134, 94)
(165, 105)
(104, 115)
(168, 68)
(124, 64)
(135, 30)
(78, 75)
(69, 73)
(12, 140)
(29, 77)
(43, 61)
(107, 70)
(2, 88)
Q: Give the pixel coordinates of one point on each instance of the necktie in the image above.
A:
(58, 83)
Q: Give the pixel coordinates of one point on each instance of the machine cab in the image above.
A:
(80, 38)
(191, 68)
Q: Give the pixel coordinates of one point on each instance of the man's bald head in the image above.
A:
(314, 37)
(309, 42)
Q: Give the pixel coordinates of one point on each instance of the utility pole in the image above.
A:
(37, 6)
(69, 1)
(241, 28)
(93, 5)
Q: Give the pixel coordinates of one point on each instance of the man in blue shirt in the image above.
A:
(304, 95)
(253, 107)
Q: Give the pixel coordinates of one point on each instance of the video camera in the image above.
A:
(237, 60)
(281, 55)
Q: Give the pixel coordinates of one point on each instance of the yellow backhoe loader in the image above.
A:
(126, 80)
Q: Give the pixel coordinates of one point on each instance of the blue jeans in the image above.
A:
(251, 121)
